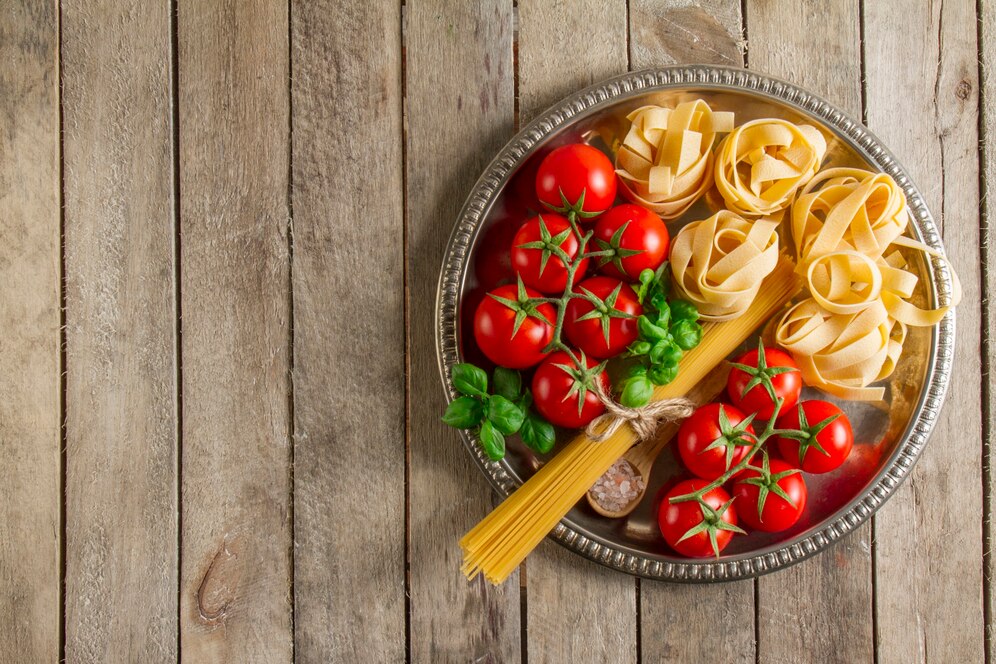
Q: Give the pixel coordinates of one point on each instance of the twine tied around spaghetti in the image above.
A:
(643, 420)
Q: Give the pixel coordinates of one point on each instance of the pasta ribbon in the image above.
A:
(761, 164)
(849, 333)
(719, 263)
(665, 162)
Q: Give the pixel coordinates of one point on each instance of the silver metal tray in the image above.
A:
(887, 442)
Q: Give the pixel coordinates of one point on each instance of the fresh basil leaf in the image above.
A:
(537, 434)
(639, 348)
(508, 383)
(464, 413)
(659, 302)
(637, 392)
(665, 352)
(470, 380)
(683, 310)
(649, 331)
(525, 400)
(687, 334)
(505, 415)
(636, 370)
(662, 374)
(492, 442)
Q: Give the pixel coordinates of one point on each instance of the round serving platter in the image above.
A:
(888, 441)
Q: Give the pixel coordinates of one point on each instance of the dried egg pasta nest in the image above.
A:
(665, 163)
(849, 333)
(761, 164)
(719, 263)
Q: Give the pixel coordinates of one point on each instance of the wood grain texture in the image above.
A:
(987, 160)
(349, 358)
(685, 32)
(822, 606)
(922, 100)
(577, 611)
(235, 576)
(678, 623)
(459, 109)
(121, 424)
(30, 437)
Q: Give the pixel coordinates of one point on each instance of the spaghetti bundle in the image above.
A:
(502, 540)
(665, 162)
(761, 164)
(719, 263)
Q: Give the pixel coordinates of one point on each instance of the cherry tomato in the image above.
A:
(779, 367)
(582, 175)
(782, 490)
(534, 258)
(714, 439)
(495, 327)
(562, 390)
(605, 329)
(825, 445)
(676, 519)
(637, 236)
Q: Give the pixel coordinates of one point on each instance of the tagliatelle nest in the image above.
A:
(719, 263)
(761, 164)
(665, 162)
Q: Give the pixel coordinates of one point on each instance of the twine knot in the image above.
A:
(643, 420)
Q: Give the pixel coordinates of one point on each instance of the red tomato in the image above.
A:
(582, 175)
(539, 266)
(676, 519)
(562, 391)
(610, 326)
(495, 322)
(779, 367)
(826, 443)
(637, 236)
(771, 499)
(708, 445)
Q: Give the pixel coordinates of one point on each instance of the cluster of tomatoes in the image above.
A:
(601, 249)
(769, 494)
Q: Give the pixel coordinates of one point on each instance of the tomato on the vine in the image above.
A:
(825, 439)
(535, 250)
(576, 178)
(770, 497)
(714, 439)
(602, 321)
(563, 390)
(697, 530)
(746, 383)
(512, 329)
(637, 238)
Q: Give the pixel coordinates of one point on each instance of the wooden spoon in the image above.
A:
(643, 456)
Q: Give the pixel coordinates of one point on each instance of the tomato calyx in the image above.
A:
(604, 310)
(767, 482)
(613, 252)
(572, 210)
(523, 306)
(807, 434)
(712, 522)
(732, 436)
(761, 374)
(582, 376)
(549, 245)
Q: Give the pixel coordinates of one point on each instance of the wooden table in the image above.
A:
(222, 224)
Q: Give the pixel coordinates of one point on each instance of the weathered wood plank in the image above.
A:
(576, 611)
(987, 160)
(823, 606)
(121, 425)
(685, 32)
(235, 576)
(30, 421)
(349, 362)
(679, 623)
(459, 106)
(922, 82)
